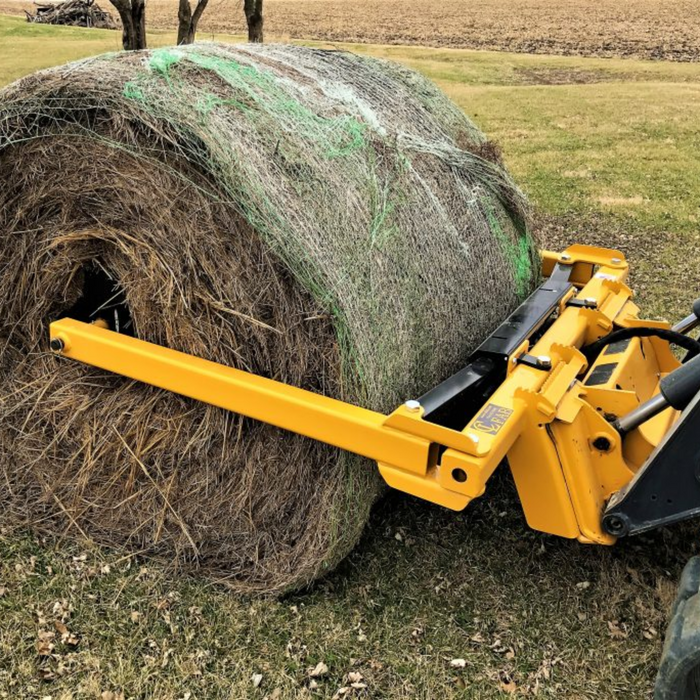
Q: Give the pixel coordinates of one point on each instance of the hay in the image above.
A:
(327, 220)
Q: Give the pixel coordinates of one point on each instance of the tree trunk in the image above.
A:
(185, 34)
(133, 17)
(254, 16)
(188, 20)
(138, 12)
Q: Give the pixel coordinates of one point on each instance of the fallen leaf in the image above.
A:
(319, 670)
(44, 645)
(67, 637)
(166, 657)
(355, 677)
(458, 663)
(617, 631)
(509, 686)
(256, 678)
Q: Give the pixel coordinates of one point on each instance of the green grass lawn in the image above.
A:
(608, 152)
(26, 48)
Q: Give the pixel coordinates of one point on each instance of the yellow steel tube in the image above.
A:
(322, 418)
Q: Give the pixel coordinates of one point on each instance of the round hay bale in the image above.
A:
(327, 220)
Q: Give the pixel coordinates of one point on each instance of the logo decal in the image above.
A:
(491, 419)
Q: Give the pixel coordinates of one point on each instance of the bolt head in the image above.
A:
(565, 256)
(544, 361)
(413, 405)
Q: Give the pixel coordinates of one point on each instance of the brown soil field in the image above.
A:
(654, 29)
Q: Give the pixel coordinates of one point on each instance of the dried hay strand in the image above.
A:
(327, 220)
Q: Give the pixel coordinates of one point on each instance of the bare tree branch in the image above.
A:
(199, 11)
(188, 20)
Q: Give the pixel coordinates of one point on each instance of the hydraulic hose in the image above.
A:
(686, 342)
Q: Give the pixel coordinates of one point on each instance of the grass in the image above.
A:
(423, 588)
(607, 150)
(26, 48)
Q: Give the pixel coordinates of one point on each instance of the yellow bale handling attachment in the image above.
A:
(597, 417)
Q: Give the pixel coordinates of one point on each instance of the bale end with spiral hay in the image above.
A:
(324, 219)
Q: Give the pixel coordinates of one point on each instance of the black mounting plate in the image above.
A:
(453, 402)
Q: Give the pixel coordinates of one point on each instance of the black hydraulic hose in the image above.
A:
(686, 342)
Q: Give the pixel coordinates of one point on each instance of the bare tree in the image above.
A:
(254, 16)
(188, 20)
(133, 16)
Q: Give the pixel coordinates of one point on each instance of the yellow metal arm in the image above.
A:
(539, 416)
(319, 417)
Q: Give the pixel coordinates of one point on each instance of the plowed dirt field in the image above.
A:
(660, 29)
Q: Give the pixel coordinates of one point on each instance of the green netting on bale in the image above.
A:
(328, 220)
